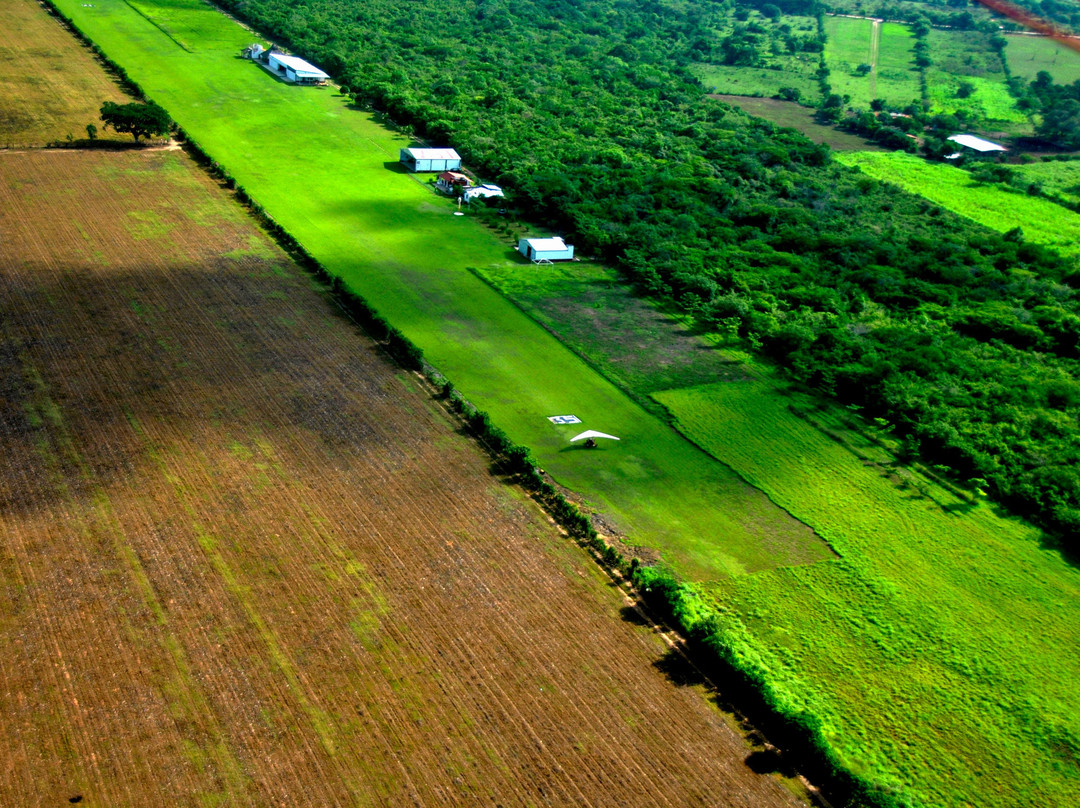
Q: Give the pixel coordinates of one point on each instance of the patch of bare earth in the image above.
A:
(243, 563)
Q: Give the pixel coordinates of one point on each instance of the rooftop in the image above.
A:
(299, 66)
(546, 244)
(976, 143)
(433, 154)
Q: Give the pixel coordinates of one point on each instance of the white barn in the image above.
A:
(545, 249)
(430, 159)
(296, 70)
(976, 143)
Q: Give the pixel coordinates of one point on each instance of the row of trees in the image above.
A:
(964, 339)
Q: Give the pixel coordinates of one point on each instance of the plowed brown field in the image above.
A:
(244, 560)
(51, 86)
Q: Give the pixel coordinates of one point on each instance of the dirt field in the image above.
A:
(247, 561)
(56, 87)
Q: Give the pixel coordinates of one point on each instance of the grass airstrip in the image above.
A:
(938, 649)
(330, 175)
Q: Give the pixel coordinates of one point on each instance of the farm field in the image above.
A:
(905, 607)
(940, 618)
(334, 183)
(786, 113)
(1027, 55)
(887, 46)
(777, 66)
(966, 58)
(1055, 177)
(61, 95)
(762, 82)
(1042, 221)
(247, 561)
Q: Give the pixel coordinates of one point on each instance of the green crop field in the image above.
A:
(332, 179)
(852, 42)
(950, 624)
(791, 71)
(1056, 178)
(908, 619)
(1027, 55)
(965, 58)
(1042, 221)
(786, 113)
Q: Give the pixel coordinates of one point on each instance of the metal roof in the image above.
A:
(547, 244)
(299, 66)
(433, 154)
(976, 143)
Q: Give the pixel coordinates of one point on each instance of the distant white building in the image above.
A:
(295, 69)
(430, 159)
(976, 143)
(545, 249)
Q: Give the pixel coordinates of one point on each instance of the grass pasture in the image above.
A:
(952, 188)
(887, 46)
(334, 183)
(763, 82)
(1027, 55)
(942, 620)
(1059, 178)
(965, 57)
(63, 90)
(779, 67)
(801, 119)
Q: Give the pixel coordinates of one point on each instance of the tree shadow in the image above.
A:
(679, 670)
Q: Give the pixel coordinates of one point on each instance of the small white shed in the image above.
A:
(545, 249)
(430, 159)
(296, 70)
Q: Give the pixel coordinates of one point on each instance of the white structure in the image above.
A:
(295, 69)
(593, 434)
(545, 249)
(430, 159)
(254, 51)
(976, 143)
(482, 191)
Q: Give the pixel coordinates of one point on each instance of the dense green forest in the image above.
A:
(966, 341)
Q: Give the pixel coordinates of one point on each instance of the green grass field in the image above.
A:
(786, 113)
(849, 43)
(1055, 177)
(965, 57)
(1042, 221)
(950, 626)
(1027, 55)
(332, 179)
(924, 621)
(779, 68)
(762, 82)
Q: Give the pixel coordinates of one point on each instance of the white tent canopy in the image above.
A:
(592, 433)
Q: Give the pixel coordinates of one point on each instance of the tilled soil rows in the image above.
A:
(245, 560)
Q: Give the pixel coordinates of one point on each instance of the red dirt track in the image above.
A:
(245, 560)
